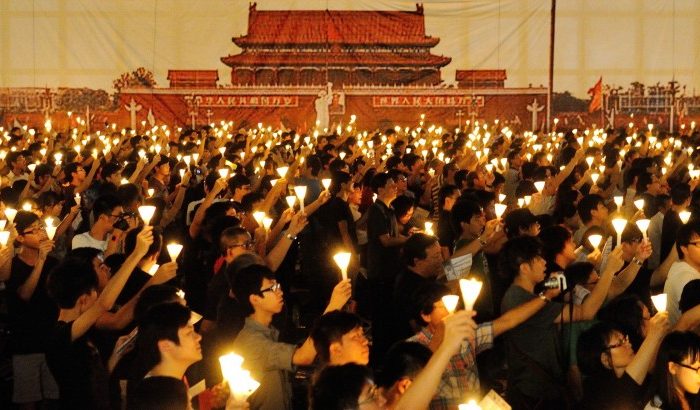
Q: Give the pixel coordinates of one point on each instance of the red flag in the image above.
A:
(596, 93)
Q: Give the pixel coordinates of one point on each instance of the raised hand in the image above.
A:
(340, 296)
(143, 241)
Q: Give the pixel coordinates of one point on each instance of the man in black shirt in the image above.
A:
(31, 312)
(71, 356)
(167, 346)
(423, 259)
(680, 200)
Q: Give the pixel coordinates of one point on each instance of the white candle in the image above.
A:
(342, 259)
(660, 302)
(300, 191)
(146, 212)
(595, 240)
(470, 291)
(10, 214)
(643, 225)
(619, 224)
(450, 302)
(174, 250)
(4, 237)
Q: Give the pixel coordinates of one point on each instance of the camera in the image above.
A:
(121, 223)
(555, 280)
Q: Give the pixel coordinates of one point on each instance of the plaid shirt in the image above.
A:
(461, 377)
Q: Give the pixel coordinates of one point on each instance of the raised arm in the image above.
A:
(458, 327)
(590, 305)
(518, 315)
(644, 359)
(115, 285)
(219, 186)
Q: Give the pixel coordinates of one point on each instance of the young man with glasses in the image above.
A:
(102, 234)
(270, 361)
(685, 269)
(31, 312)
(617, 375)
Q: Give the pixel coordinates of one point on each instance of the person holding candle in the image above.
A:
(685, 269)
(617, 375)
(655, 231)
(476, 235)
(31, 312)
(447, 197)
(534, 368)
(680, 200)
(423, 264)
(593, 214)
(268, 359)
(71, 356)
(461, 376)
(167, 346)
(102, 234)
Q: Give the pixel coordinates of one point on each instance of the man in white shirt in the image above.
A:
(102, 235)
(685, 270)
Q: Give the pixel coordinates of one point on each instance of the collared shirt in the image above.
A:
(269, 362)
(461, 376)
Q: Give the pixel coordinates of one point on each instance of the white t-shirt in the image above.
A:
(678, 276)
(84, 240)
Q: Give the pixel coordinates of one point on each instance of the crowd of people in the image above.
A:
(133, 260)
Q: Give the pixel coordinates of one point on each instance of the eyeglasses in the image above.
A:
(624, 341)
(273, 288)
(696, 370)
(371, 395)
(34, 230)
(246, 245)
(694, 243)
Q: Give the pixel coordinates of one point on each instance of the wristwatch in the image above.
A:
(290, 237)
(481, 242)
(544, 297)
(637, 261)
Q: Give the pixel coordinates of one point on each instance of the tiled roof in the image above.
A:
(334, 59)
(336, 27)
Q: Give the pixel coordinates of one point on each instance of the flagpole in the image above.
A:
(552, 26)
(602, 104)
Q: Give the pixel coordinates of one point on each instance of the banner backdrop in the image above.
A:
(387, 60)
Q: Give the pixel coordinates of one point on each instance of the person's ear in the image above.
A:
(672, 368)
(426, 318)
(165, 346)
(254, 300)
(525, 268)
(335, 349)
(19, 238)
(403, 385)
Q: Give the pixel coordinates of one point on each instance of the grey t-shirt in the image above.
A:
(537, 338)
(269, 362)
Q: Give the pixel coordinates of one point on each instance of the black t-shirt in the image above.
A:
(406, 304)
(230, 319)
(640, 286)
(76, 365)
(669, 229)
(136, 281)
(382, 262)
(30, 321)
(445, 233)
(217, 289)
(158, 393)
(606, 391)
(329, 215)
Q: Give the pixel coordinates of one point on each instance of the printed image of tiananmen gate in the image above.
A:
(378, 64)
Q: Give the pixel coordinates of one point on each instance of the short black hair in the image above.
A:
(516, 251)
(404, 359)
(153, 296)
(680, 193)
(379, 180)
(444, 193)
(402, 204)
(104, 205)
(237, 181)
(339, 387)
(463, 211)
(553, 240)
(591, 345)
(70, 280)
(516, 220)
(330, 328)
(588, 204)
(160, 322)
(415, 247)
(685, 235)
(425, 299)
(247, 282)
